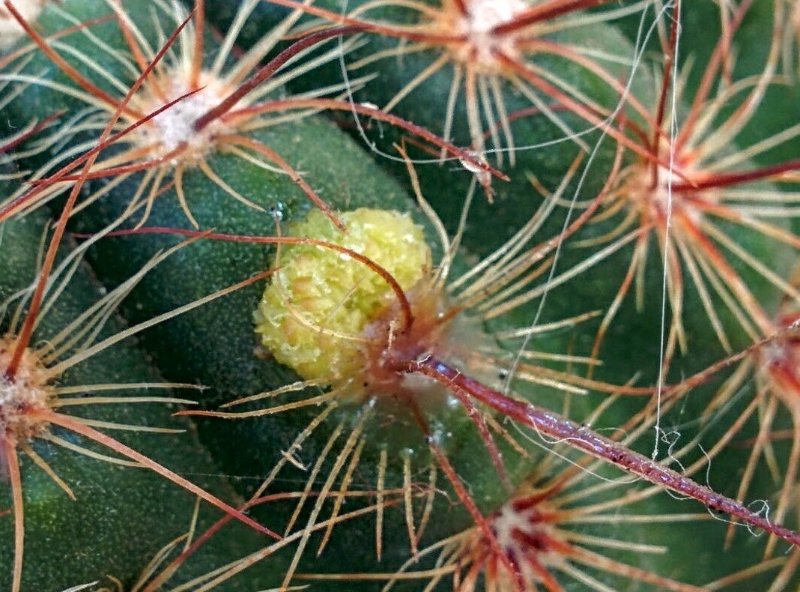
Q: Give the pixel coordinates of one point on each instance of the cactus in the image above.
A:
(449, 294)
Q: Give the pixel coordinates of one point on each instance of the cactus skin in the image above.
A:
(190, 346)
(515, 201)
(249, 447)
(122, 516)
